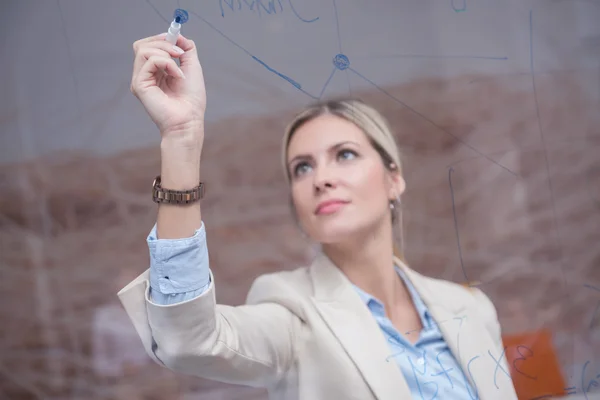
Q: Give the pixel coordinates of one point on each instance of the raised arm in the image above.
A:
(252, 344)
(175, 99)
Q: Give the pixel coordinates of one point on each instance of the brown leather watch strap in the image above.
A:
(169, 196)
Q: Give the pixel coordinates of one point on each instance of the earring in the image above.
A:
(396, 202)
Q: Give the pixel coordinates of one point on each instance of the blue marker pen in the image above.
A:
(180, 17)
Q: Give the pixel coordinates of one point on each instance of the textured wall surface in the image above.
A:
(516, 182)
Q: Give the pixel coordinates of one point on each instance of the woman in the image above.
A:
(357, 323)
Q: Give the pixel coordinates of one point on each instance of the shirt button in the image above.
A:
(421, 361)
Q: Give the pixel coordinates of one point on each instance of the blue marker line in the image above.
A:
(431, 122)
(337, 26)
(221, 33)
(583, 388)
(594, 315)
(298, 15)
(257, 5)
(472, 379)
(571, 390)
(327, 82)
(444, 371)
(520, 149)
(563, 269)
(591, 287)
(523, 358)
(459, 9)
(158, 12)
(270, 10)
(545, 148)
(461, 320)
(498, 361)
(288, 79)
(230, 4)
(462, 264)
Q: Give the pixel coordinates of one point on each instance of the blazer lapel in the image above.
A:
(352, 323)
(465, 334)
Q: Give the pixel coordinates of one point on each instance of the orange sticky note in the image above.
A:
(534, 365)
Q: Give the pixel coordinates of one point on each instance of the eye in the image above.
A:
(301, 168)
(346, 154)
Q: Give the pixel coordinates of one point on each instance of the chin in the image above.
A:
(336, 231)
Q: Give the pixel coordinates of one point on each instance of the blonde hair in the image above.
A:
(374, 126)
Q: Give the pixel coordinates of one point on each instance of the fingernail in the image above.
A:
(178, 49)
(181, 74)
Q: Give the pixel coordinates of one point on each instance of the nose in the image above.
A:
(323, 179)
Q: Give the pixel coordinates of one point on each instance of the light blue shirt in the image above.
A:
(430, 369)
(179, 268)
(179, 271)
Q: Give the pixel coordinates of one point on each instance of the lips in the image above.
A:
(329, 206)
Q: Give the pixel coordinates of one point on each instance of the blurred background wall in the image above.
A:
(496, 106)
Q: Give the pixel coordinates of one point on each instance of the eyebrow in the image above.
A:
(334, 147)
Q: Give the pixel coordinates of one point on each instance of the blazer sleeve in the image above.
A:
(252, 344)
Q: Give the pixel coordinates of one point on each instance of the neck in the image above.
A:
(369, 264)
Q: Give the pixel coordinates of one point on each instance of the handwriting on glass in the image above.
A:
(588, 380)
(587, 386)
(269, 7)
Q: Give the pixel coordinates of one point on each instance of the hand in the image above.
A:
(174, 97)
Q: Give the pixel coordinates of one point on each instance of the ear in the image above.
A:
(397, 184)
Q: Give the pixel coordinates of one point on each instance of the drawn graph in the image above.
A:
(341, 62)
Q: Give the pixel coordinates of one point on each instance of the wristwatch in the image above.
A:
(168, 196)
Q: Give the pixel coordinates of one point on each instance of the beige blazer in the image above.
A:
(306, 335)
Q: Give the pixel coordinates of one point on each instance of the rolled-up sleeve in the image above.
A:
(179, 268)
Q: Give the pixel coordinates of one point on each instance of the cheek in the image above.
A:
(301, 197)
(368, 182)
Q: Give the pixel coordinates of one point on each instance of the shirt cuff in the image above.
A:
(178, 265)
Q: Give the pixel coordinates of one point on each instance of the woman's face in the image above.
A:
(340, 187)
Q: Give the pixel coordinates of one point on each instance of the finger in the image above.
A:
(172, 50)
(158, 63)
(144, 54)
(189, 47)
(167, 48)
(144, 51)
(185, 43)
(139, 43)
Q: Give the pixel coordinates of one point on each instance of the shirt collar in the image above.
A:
(376, 305)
